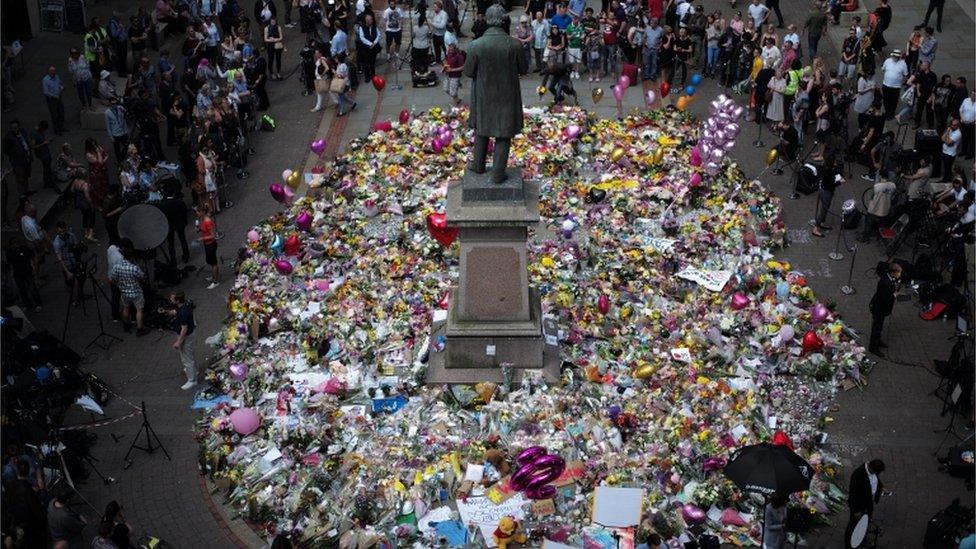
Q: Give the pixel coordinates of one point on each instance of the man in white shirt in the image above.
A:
(759, 13)
(684, 6)
(967, 119)
(895, 72)
(392, 19)
(438, 28)
(950, 147)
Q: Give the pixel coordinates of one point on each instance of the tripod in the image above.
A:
(797, 166)
(87, 274)
(151, 444)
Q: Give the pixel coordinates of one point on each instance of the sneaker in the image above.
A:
(188, 385)
(289, 25)
(213, 285)
(867, 177)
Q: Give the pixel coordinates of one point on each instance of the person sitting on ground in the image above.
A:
(789, 144)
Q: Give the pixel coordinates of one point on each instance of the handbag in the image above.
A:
(338, 85)
(321, 85)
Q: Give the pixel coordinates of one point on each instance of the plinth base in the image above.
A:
(439, 373)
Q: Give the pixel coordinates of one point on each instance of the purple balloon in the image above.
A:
(529, 454)
(692, 514)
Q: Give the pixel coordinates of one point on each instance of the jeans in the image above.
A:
(174, 233)
(85, 89)
(341, 101)
(947, 162)
(711, 59)
(188, 359)
(274, 60)
(967, 139)
(922, 105)
(438, 42)
(877, 326)
(937, 6)
(813, 41)
(610, 59)
(650, 63)
(890, 98)
(539, 63)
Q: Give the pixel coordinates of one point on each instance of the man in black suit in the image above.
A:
(864, 492)
(175, 210)
(881, 306)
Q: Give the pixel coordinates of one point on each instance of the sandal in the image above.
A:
(817, 233)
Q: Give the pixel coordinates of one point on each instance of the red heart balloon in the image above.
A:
(404, 116)
(379, 82)
(293, 245)
(383, 126)
(812, 342)
(603, 304)
(437, 226)
(665, 89)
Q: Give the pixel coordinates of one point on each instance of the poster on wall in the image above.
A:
(74, 16)
(52, 15)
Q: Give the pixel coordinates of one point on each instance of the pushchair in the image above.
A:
(420, 72)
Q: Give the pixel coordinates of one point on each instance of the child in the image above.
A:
(453, 65)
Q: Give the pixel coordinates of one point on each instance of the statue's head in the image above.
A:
(495, 16)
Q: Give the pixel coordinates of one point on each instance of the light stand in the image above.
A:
(836, 255)
(151, 445)
(87, 274)
(848, 289)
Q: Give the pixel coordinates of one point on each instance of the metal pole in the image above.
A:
(848, 289)
(836, 255)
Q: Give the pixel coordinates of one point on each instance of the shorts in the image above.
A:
(210, 253)
(393, 37)
(451, 86)
(575, 55)
(138, 301)
(846, 71)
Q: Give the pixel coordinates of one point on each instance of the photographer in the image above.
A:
(183, 325)
(128, 277)
(789, 143)
(68, 252)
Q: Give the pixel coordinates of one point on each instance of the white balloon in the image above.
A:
(285, 175)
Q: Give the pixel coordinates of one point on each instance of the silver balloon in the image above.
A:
(728, 145)
(733, 129)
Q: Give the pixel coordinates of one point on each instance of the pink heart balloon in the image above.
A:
(739, 301)
(317, 146)
(283, 266)
(572, 131)
(618, 92)
(304, 221)
(624, 81)
(437, 145)
(819, 313)
(696, 159)
(289, 195)
(245, 421)
(253, 236)
(238, 371)
(695, 179)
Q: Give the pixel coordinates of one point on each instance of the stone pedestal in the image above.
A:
(494, 316)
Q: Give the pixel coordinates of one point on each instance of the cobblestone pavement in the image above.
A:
(893, 418)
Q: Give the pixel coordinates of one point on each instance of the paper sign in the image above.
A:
(681, 354)
(543, 508)
(474, 473)
(485, 515)
(490, 350)
(573, 472)
(389, 404)
(500, 491)
(619, 507)
(710, 280)
(597, 537)
(437, 515)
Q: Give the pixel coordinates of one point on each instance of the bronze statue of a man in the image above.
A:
(494, 62)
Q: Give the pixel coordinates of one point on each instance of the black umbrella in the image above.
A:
(768, 469)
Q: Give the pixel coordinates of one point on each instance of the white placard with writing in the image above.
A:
(484, 514)
(710, 280)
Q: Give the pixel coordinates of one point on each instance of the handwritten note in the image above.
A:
(711, 280)
(484, 514)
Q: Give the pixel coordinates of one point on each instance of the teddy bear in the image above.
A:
(508, 530)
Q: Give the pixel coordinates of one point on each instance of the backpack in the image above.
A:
(267, 123)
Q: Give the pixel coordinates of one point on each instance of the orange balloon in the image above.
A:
(682, 102)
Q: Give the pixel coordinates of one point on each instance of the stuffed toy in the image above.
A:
(508, 530)
(496, 458)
